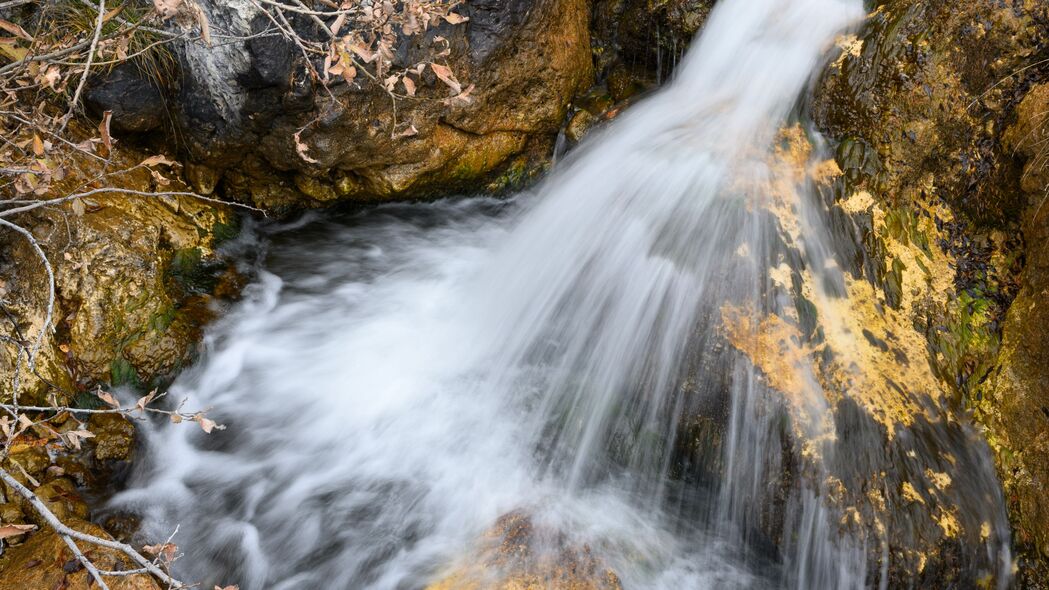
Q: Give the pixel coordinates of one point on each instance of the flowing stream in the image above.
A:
(397, 380)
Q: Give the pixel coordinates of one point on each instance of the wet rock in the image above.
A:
(646, 37)
(125, 310)
(114, 437)
(919, 101)
(516, 554)
(1029, 136)
(44, 562)
(60, 495)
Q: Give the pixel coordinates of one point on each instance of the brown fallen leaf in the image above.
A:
(103, 128)
(15, 30)
(445, 74)
(13, 530)
(109, 399)
(301, 148)
(165, 551)
(158, 160)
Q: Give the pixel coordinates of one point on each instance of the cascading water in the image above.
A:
(395, 382)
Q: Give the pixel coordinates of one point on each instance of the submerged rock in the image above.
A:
(516, 554)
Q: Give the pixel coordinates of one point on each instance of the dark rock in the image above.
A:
(135, 100)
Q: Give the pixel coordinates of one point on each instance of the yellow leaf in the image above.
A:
(9, 47)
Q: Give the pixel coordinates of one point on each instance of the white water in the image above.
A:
(394, 383)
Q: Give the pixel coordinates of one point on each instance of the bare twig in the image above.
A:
(65, 531)
(120, 191)
(87, 67)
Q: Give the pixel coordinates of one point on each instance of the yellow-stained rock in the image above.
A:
(44, 562)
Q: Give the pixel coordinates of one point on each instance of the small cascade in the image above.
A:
(659, 355)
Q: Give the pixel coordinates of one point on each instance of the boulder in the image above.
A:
(133, 276)
(253, 113)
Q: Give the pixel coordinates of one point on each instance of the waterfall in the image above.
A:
(396, 381)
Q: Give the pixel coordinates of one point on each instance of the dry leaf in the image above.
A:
(13, 530)
(103, 128)
(202, 21)
(38, 145)
(206, 424)
(455, 19)
(15, 30)
(302, 149)
(158, 160)
(409, 85)
(176, 419)
(339, 21)
(78, 206)
(112, 13)
(463, 98)
(144, 401)
(445, 75)
(166, 551)
(411, 131)
(167, 8)
(109, 399)
(73, 437)
(51, 77)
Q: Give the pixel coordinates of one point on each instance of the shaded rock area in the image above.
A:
(1015, 399)
(134, 276)
(644, 38)
(919, 102)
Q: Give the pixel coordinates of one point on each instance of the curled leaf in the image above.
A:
(13, 530)
(444, 74)
(108, 398)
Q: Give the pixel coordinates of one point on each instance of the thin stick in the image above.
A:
(62, 529)
(87, 67)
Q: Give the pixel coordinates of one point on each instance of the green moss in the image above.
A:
(191, 273)
(122, 372)
(224, 231)
(965, 346)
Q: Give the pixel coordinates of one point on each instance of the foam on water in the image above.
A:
(395, 381)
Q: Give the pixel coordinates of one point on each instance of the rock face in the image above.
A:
(242, 104)
(919, 102)
(645, 37)
(1016, 406)
(132, 281)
